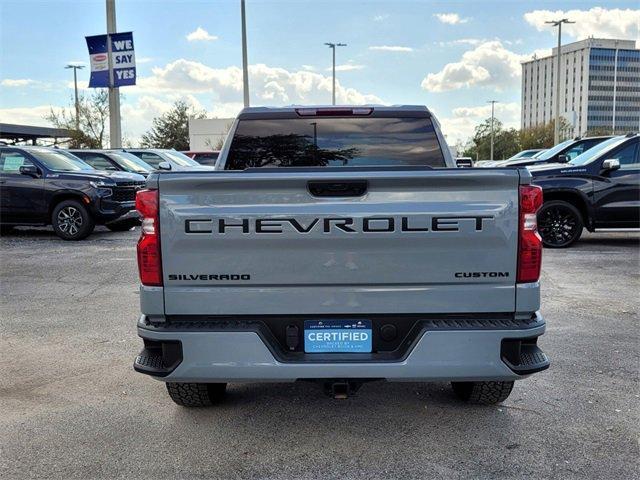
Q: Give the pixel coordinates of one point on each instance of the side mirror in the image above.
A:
(30, 170)
(563, 158)
(464, 163)
(611, 164)
(164, 166)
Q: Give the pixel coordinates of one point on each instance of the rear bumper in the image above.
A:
(232, 355)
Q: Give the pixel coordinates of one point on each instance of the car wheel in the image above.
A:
(71, 220)
(123, 226)
(559, 223)
(196, 394)
(482, 393)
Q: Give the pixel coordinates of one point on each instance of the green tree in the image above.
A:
(506, 142)
(599, 131)
(92, 120)
(542, 136)
(171, 130)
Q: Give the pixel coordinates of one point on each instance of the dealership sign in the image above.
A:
(123, 60)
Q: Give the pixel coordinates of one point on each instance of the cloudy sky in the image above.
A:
(451, 56)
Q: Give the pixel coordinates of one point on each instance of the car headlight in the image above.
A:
(100, 184)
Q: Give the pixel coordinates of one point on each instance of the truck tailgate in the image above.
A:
(261, 243)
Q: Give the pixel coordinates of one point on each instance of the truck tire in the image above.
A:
(482, 393)
(560, 224)
(71, 220)
(196, 394)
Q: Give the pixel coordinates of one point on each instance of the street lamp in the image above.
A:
(333, 46)
(75, 88)
(245, 67)
(492, 102)
(558, 23)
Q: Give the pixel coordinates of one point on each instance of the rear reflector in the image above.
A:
(149, 259)
(333, 112)
(529, 241)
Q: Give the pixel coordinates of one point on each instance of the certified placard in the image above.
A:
(337, 336)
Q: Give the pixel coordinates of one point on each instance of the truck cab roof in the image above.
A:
(370, 110)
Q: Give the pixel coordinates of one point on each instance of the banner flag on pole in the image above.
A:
(122, 57)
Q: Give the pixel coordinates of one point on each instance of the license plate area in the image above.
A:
(337, 336)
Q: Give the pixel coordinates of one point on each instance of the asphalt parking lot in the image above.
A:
(71, 405)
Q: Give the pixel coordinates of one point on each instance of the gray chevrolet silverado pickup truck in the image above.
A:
(341, 245)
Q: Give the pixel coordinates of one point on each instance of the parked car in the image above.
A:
(203, 158)
(113, 160)
(531, 153)
(596, 190)
(464, 162)
(47, 186)
(561, 153)
(155, 156)
(526, 153)
(357, 254)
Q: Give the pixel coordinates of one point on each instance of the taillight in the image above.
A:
(149, 260)
(333, 111)
(529, 241)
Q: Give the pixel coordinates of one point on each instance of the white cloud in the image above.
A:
(200, 35)
(27, 115)
(18, 82)
(347, 67)
(488, 64)
(380, 18)
(268, 85)
(450, 18)
(599, 22)
(463, 120)
(463, 41)
(309, 68)
(391, 48)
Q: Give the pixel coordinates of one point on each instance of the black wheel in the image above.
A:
(71, 220)
(123, 226)
(559, 223)
(196, 394)
(482, 393)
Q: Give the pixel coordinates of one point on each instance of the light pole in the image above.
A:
(115, 129)
(333, 46)
(75, 89)
(245, 67)
(492, 102)
(558, 23)
(615, 89)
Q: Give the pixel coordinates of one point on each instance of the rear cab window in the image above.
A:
(351, 141)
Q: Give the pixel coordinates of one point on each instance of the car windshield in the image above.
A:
(180, 158)
(539, 154)
(334, 142)
(59, 160)
(130, 162)
(594, 152)
(522, 154)
(553, 150)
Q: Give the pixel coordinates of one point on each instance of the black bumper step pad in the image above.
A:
(524, 358)
(158, 358)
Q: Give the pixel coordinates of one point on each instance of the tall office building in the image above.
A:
(599, 87)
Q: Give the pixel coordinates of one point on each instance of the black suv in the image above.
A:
(42, 186)
(113, 160)
(598, 189)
